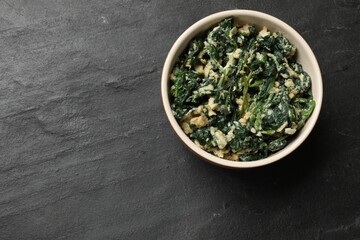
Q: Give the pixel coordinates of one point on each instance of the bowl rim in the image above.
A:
(302, 135)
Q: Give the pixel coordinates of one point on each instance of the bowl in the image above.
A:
(305, 56)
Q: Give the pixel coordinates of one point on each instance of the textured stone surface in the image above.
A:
(86, 151)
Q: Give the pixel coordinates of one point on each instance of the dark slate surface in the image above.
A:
(87, 152)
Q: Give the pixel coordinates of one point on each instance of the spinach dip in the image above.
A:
(239, 93)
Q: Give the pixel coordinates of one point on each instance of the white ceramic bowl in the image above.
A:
(305, 56)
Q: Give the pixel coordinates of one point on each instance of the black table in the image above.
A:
(87, 151)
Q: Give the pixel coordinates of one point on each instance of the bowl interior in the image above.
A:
(304, 55)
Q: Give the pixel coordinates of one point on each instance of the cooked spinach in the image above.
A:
(239, 93)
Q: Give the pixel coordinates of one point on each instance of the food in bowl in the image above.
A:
(239, 93)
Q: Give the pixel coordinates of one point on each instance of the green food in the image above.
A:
(239, 93)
